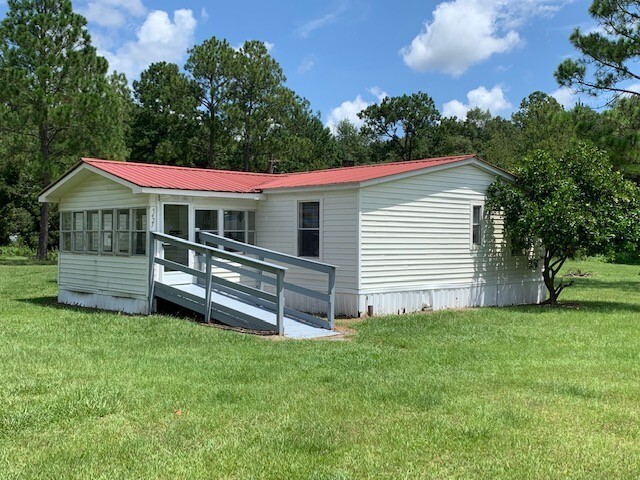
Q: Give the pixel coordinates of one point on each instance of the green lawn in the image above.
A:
(524, 392)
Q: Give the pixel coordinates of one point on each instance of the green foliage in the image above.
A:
(55, 97)
(165, 125)
(608, 54)
(353, 146)
(567, 204)
(403, 121)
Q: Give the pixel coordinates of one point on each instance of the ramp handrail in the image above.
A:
(210, 253)
(264, 253)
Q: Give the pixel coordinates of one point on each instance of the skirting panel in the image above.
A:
(103, 302)
(453, 297)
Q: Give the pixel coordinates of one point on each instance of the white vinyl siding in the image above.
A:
(277, 229)
(118, 276)
(416, 233)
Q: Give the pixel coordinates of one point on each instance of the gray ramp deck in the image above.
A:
(292, 328)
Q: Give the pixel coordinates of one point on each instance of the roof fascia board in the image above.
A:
(201, 193)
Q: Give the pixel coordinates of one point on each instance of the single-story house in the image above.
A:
(405, 236)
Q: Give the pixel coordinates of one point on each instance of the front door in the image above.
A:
(176, 223)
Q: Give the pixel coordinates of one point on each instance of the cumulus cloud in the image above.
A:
(378, 93)
(493, 100)
(565, 97)
(112, 13)
(466, 32)
(159, 38)
(347, 110)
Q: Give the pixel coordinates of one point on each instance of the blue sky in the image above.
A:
(343, 55)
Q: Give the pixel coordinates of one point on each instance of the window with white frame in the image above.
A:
(309, 229)
(65, 231)
(476, 225)
(240, 225)
(77, 232)
(107, 232)
(93, 231)
(122, 231)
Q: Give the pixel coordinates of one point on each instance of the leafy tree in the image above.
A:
(260, 102)
(542, 123)
(214, 68)
(52, 86)
(561, 206)
(402, 121)
(608, 54)
(352, 145)
(165, 127)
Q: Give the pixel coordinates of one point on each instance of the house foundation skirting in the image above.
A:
(103, 301)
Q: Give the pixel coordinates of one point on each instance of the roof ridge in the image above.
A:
(178, 167)
(372, 165)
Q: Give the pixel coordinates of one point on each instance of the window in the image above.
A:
(139, 232)
(240, 225)
(65, 231)
(93, 231)
(309, 229)
(476, 225)
(107, 231)
(122, 232)
(77, 233)
(207, 221)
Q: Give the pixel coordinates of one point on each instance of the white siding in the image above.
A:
(106, 275)
(277, 230)
(416, 236)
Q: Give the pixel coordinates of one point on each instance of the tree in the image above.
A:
(165, 127)
(52, 86)
(608, 54)
(260, 102)
(559, 207)
(214, 68)
(402, 121)
(542, 123)
(353, 146)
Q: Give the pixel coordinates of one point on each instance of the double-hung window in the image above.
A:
(139, 232)
(309, 229)
(65, 231)
(93, 231)
(107, 231)
(77, 233)
(240, 225)
(476, 225)
(122, 233)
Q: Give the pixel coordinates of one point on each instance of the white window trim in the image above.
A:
(320, 226)
(472, 245)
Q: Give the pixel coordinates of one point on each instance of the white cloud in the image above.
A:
(493, 100)
(307, 64)
(112, 13)
(159, 38)
(308, 28)
(465, 32)
(347, 110)
(565, 97)
(378, 93)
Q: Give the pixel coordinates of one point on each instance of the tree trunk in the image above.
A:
(45, 180)
(246, 154)
(550, 270)
(211, 156)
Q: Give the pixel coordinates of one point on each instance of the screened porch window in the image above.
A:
(309, 229)
(65, 231)
(240, 225)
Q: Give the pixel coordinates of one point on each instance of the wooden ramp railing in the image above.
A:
(327, 296)
(214, 283)
(232, 302)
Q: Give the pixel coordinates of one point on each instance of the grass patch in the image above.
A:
(518, 392)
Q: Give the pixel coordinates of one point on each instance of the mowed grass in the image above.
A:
(520, 392)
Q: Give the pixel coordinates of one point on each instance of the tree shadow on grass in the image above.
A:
(583, 306)
(628, 286)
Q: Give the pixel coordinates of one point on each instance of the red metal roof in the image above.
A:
(184, 178)
(362, 173)
(181, 178)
